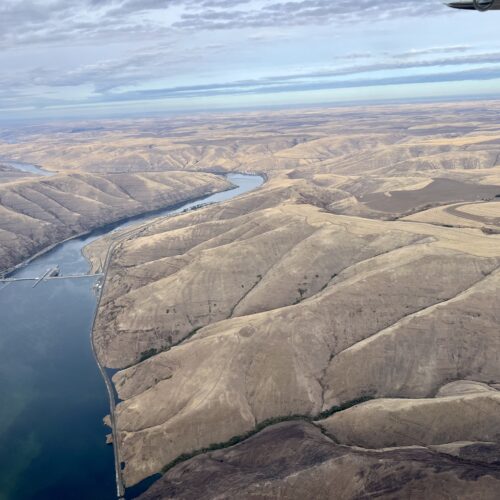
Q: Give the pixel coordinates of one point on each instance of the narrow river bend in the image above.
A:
(52, 397)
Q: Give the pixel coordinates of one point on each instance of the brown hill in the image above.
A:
(39, 212)
(296, 461)
(270, 307)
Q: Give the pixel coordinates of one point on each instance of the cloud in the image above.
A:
(97, 51)
(480, 74)
(308, 12)
(109, 77)
(242, 88)
(109, 74)
(54, 21)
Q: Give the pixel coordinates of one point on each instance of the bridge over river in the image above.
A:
(49, 275)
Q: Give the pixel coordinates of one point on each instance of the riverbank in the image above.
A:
(100, 227)
(122, 236)
(39, 212)
(26, 167)
(45, 333)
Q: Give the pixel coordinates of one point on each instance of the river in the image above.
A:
(52, 397)
(26, 167)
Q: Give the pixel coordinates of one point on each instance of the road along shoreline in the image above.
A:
(112, 224)
(123, 236)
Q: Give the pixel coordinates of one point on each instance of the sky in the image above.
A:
(106, 58)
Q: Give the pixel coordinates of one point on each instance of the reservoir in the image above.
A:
(52, 396)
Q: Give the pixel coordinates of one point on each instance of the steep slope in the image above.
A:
(9, 174)
(296, 461)
(37, 213)
(365, 270)
(270, 307)
(384, 423)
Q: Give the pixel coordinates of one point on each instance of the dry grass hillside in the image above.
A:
(380, 161)
(443, 140)
(38, 212)
(296, 461)
(10, 174)
(290, 310)
(356, 290)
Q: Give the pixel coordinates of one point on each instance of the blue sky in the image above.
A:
(117, 57)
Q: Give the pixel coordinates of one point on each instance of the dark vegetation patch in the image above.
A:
(261, 426)
(149, 353)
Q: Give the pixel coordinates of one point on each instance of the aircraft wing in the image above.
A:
(480, 5)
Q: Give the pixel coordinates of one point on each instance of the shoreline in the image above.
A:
(7, 272)
(112, 234)
(120, 485)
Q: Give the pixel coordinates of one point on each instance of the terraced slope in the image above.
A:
(37, 213)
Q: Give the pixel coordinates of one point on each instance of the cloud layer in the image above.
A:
(52, 21)
(92, 52)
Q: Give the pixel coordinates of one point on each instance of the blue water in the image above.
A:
(52, 398)
(26, 167)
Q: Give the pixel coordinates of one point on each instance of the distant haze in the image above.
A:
(62, 58)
